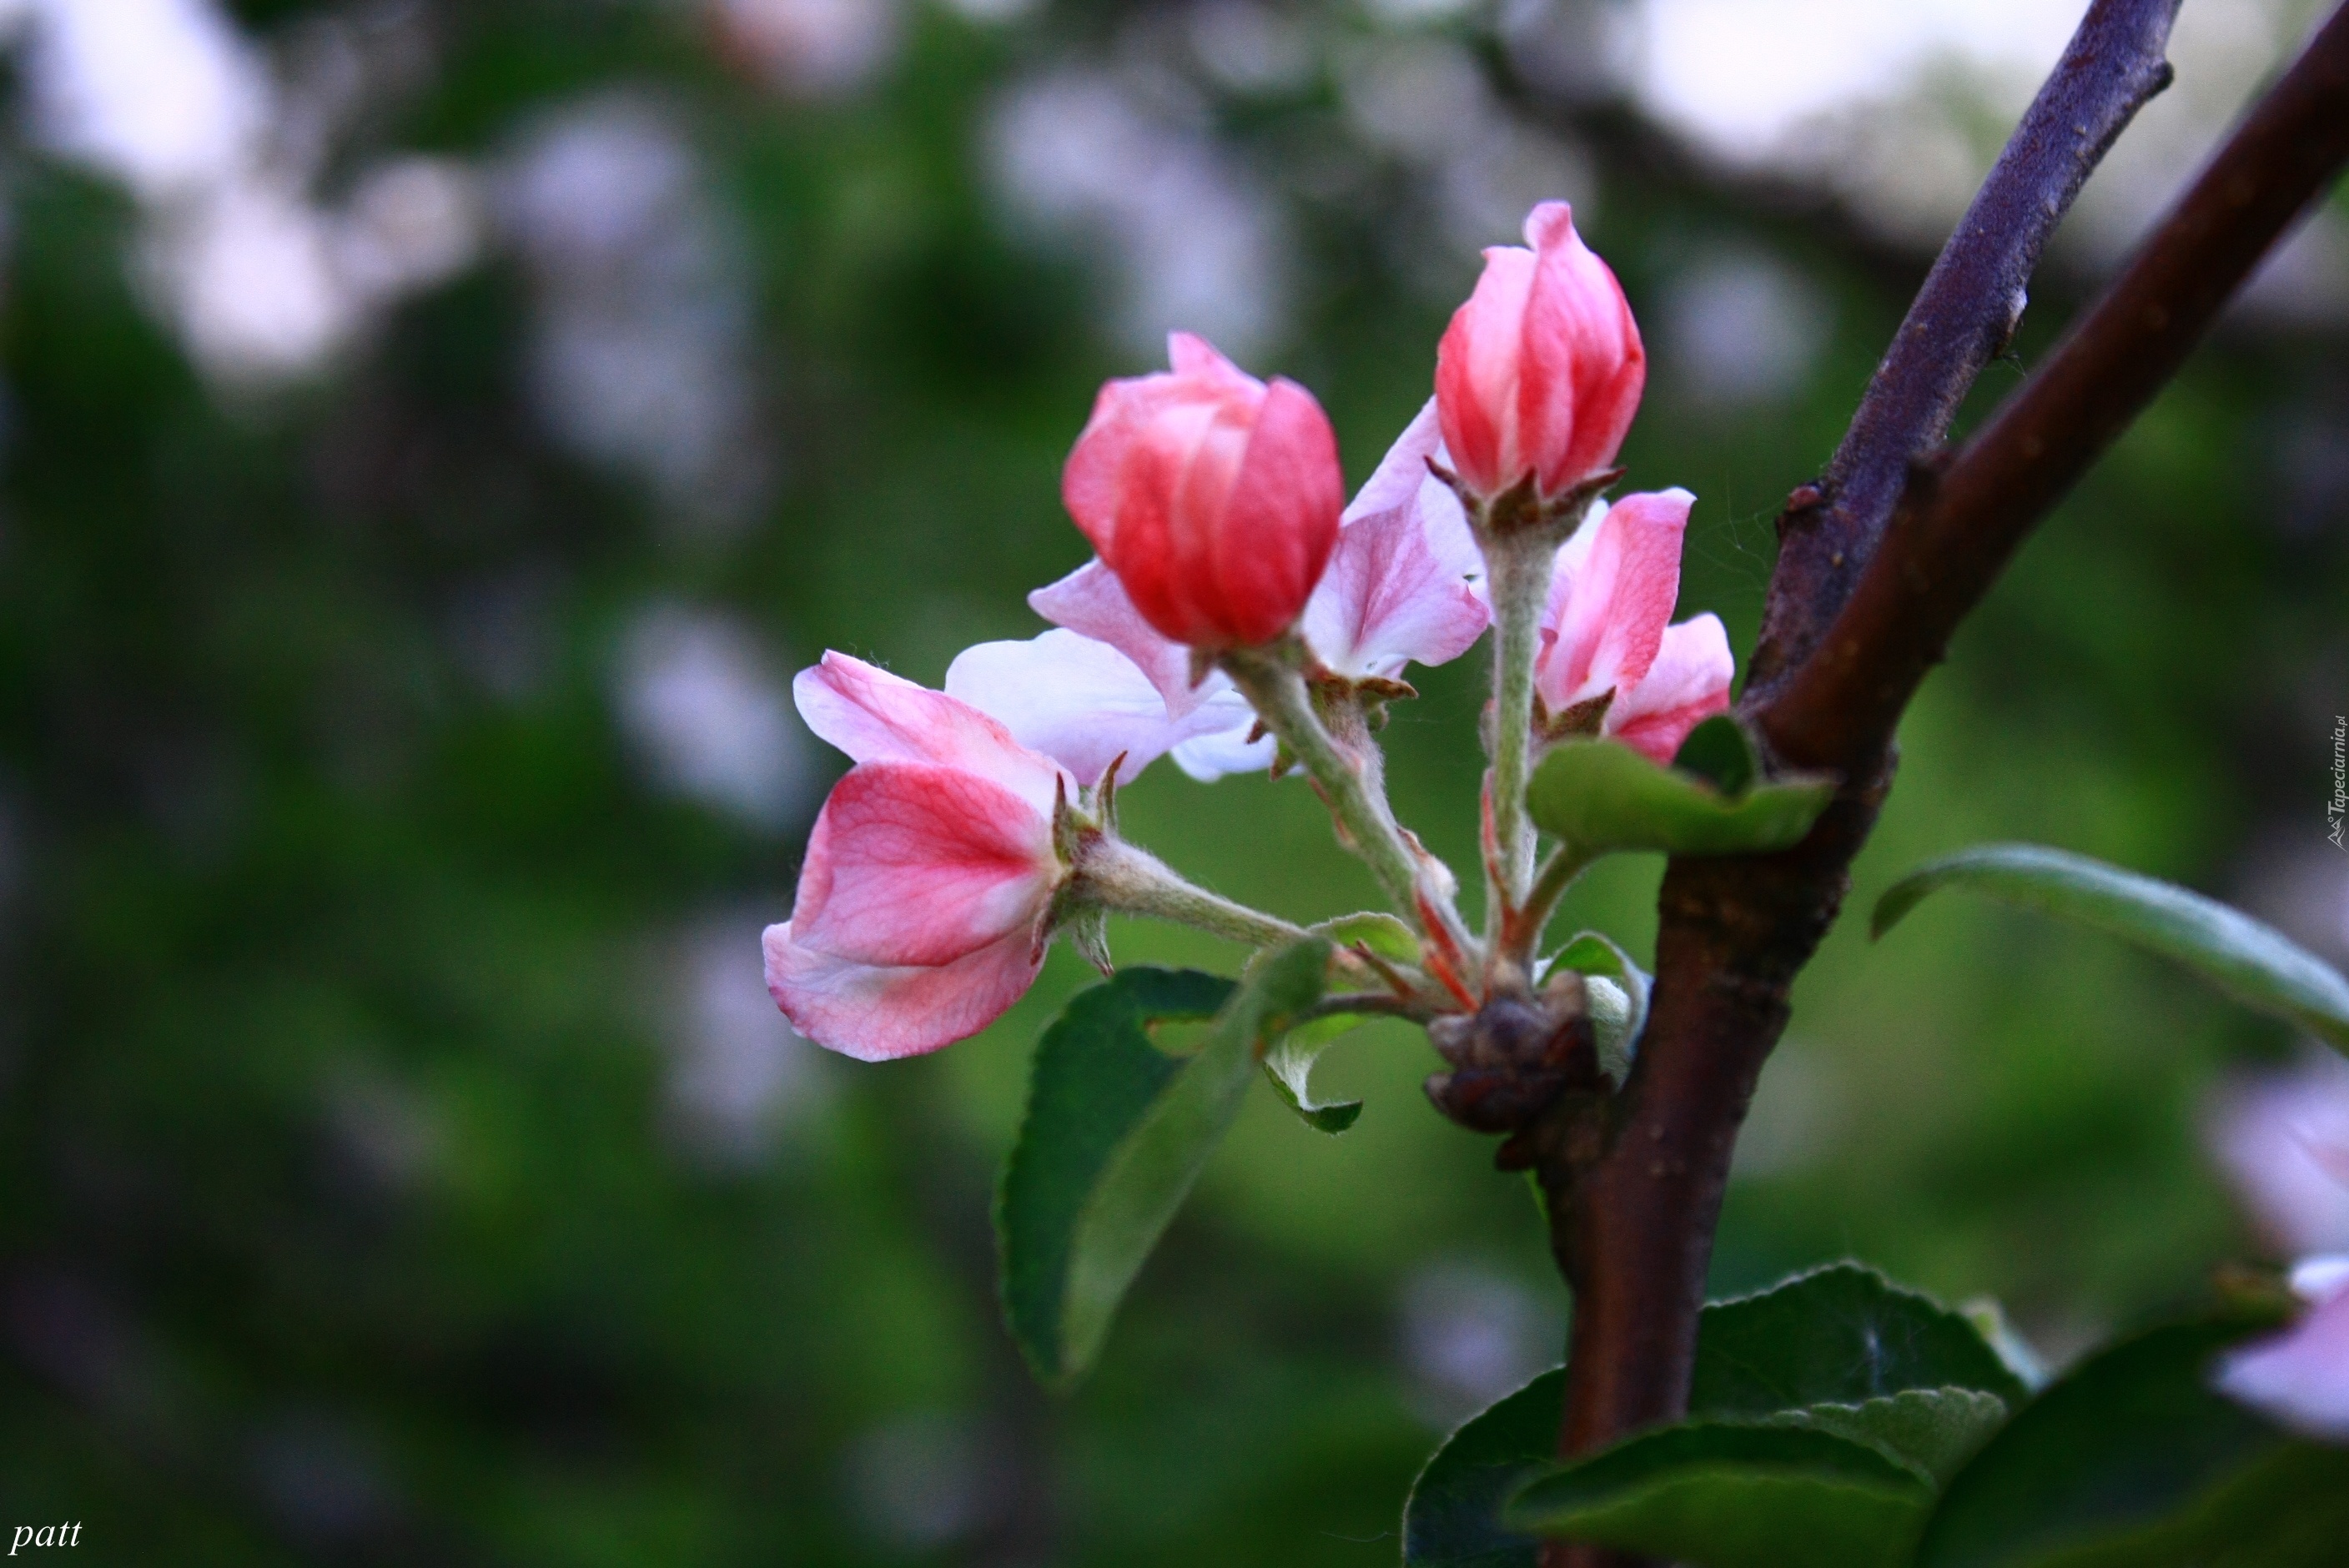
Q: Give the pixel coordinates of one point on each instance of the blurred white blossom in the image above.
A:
(2282, 1140)
(702, 701)
(1107, 158)
(643, 307)
(1469, 1336)
(263, 279)
(739, 1072)
(1741, 327)
(809, 46)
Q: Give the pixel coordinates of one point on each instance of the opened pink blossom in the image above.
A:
(924, 901)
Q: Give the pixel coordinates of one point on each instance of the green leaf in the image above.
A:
(1840, 1334)
(1117, 1131)
(1452, 1517)
(1381, 933)
(2288, 1508)
(1619, 997)
(2112, 1451)
(1838, 1348)
(1720, 750)
(1934, 1431)
(2255, 963)
(1734, 1496)
(1601, 795)
(1289, 1065)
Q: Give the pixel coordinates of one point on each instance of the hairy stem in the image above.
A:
(1524, 932)
(1521, 585)
(1113, 874)
(1350, 783)
(1520, 569)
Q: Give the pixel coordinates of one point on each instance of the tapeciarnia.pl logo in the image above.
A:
(2337, 810)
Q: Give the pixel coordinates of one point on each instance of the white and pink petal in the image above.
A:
(875, 716)
(1687, 684)
(914, 863)
(881, 1012)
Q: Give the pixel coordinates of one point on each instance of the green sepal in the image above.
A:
(1381, 933)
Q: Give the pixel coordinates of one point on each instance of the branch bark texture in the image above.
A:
(1960, 319)
(1851, 630)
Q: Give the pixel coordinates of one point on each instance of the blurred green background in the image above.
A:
(433, 433)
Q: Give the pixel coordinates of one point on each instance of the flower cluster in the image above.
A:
(1239, 614)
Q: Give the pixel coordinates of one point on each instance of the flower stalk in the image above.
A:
(1109, 873)
(1351, 782)
(1520, 568)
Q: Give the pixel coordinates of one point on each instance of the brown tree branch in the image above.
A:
(1960, 319)
(1957, 530)
(1633, 1227)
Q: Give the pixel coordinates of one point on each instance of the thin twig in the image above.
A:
(1960, 319)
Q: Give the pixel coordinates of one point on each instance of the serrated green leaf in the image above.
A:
(1932, 1430)
(1601, 796)
(1452, 1517)
(2114, 1450)
(1619, 997)
(2254, 963)
(1115, 1135)
(1843, 1334)
(1381, 933)
(1874, 1343)
(1733, 1496)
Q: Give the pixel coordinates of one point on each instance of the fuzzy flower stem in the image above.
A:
(1113, 874)
(1275, 688)
(1520, 568)
(1557, 873)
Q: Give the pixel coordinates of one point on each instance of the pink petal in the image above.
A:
(913, 864)
(1403, 472)
(1476, 371)
(2283, 1138)
(1273, 535)
(2299, 1377)
(880, 1013)
(1225, 749)
(1188, 353)
(1616, 583)
(1584, 365)
(875, 716)
(1082, 703)
(1090, 600)
(1688, 684)
(1390, 598)
(1402, 585)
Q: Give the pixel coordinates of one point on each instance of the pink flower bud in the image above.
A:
(1541, 370)
(1213, 497)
